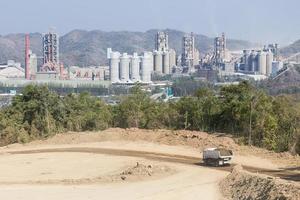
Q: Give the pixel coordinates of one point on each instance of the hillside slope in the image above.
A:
(287, 82)
(291, 49)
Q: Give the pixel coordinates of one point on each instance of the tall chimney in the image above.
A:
(27, 57)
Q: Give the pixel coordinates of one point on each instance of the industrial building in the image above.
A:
(51, 68)
(162, 41)
(261, 62)
(190, 55)
(220, 50)
(51, 48)
(89, 73)
(125, 68)
(164, 58)
(11, 69)
(274, 48)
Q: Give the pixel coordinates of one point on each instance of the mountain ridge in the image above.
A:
(291, 49)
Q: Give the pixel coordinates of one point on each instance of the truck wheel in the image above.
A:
(216, 164)
(221, 162)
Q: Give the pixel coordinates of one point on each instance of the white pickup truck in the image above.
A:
(217, 157)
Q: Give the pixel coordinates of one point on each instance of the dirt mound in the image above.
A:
(186, 138)
(134, 172)
(142, 170)
(244, 185)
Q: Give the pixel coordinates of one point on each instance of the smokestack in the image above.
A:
(27, 57)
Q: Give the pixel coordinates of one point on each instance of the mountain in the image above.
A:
(291, 49)
(84, 48)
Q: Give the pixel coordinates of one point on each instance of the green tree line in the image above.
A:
(252, 116)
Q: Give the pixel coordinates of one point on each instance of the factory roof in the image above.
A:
(11, 72)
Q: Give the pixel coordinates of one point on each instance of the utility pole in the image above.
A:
(250, 123)
(253, 102)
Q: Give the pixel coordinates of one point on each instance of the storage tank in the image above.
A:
(196, 57)
(158, 61)
(270, 58)
(252, 61)
(135, 68)
(147, 66)
(172, 53)
(124, 68)
(262, 62)
(166, 62)
(114, 67)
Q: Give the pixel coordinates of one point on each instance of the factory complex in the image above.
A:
(139, 67)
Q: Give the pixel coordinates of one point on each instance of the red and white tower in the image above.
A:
(27, 57)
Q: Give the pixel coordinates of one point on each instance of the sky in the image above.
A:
(262, 21)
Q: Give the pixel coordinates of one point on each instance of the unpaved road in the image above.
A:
(287, 174)
(68, 166)
(39, 165)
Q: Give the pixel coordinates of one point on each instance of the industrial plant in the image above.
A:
(128, 68)
(261, 62)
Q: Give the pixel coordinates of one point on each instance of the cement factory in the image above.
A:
(139, 67)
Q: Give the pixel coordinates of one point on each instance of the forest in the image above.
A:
(243, 111)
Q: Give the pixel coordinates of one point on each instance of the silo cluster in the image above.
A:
(164, 59)
(126, 68)
(257, 62)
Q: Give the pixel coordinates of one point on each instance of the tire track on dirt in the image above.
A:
(164, 157)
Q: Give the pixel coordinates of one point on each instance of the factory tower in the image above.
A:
(51, 52)
(190, 55)
(162, 41)
(164, 58)
(220, 49)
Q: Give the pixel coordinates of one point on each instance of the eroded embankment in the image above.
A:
(240, 184)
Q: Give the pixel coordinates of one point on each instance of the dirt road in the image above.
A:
(42, 174)
(88, 166)
(287, 174)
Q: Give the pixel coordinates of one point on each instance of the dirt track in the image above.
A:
(287, 174)
(80, 166)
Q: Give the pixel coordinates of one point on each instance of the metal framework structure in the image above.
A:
(51, 52)
(220, 49)
(162, 41)
(188, 50)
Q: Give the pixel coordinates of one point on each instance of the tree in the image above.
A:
(131, 111)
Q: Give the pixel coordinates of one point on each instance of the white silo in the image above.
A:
(135, 68)
(158, 61)
(252, 61)
(114, 67)
(108, 52)
(270, 59)
(124, 68)
(262, 62)
(172, 58)
(147, 66)
(166, 62)
(196, 57)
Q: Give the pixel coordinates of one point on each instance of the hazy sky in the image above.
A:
(255, 20)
